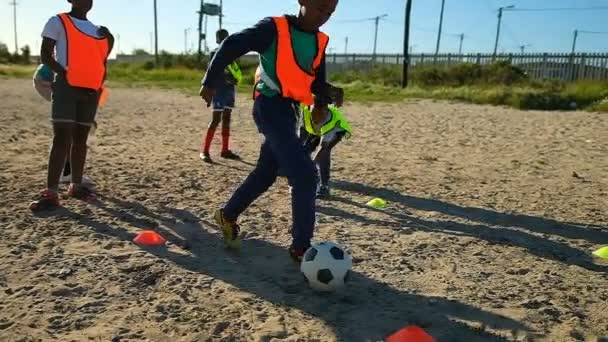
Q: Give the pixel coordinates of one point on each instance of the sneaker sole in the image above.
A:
(228, 241)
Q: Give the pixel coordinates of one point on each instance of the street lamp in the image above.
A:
(500, 10)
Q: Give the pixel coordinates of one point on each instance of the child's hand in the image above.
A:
(207, 94)
(319, 116)
(337, 95)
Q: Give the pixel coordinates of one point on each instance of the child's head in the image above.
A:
(81, 5)
(315, 13)
(220, 35)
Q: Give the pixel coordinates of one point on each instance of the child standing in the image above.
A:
(292, 69)
(77, 51)
(223, 103)
(332, 130)
(43, 83)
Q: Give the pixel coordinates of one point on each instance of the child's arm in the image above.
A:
(326, 93)
(104, 32)
(257, 38)
(47, 50)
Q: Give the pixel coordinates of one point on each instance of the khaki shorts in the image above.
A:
(72, 104)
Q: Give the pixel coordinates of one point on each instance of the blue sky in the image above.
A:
(544, 31)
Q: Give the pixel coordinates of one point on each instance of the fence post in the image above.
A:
(543, 71)
(583, 68)
(422, 58)
(510, 58)
(478, 58)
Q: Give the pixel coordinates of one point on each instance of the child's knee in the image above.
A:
(62, 140)
(81, 135)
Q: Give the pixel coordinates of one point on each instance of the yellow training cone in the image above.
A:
(602, 253)
(377, 203)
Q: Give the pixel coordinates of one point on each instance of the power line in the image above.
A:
(597, 8)
(592, 32)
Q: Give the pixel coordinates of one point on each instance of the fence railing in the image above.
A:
(560, 66)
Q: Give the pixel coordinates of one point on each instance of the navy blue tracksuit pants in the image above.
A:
(277, 119)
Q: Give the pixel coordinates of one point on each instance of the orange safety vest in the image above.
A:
(86, 56)
(295, 82)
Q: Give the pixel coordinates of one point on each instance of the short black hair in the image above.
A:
(222, 33)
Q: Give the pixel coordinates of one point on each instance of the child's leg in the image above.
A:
(78, 154)
(85, 117)
(260, 179)
(276, 119)
(67, 169)
(62, 140)
(226, 119)
(323, 157)
(215, 121)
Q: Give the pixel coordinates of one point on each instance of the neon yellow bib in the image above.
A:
(337, 121)
(236, 72)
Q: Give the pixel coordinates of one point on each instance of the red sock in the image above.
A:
(208, 140)
(225, 139)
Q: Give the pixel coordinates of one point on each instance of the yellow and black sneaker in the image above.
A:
(230, 230)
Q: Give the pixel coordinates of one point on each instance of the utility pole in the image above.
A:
(221, 12)
(440, 28)
(151, 43)
(14, 4)
(461, 41)
(498, 27)
(377, 21)
(574, 41)
(186, 40)
(406, 43)
(118, 44)
(200, 32)
(345, 45)
(156, 34)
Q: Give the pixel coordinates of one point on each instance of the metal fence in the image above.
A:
(566, 67)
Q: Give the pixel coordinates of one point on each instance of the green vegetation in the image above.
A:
(14, 58)
(496, 84)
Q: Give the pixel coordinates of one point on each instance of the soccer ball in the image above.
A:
(326, 266)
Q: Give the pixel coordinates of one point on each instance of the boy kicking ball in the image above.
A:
(291, 71)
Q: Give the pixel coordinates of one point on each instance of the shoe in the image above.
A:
(48, 200)
(323, 192)
(81, 192)
(206, 158)
(230, 230)
(67, 179)
(297, 254)
(230, 155)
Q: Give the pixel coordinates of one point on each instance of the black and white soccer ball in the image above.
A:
(326, 266)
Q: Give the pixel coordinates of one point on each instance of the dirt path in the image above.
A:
(493, 215)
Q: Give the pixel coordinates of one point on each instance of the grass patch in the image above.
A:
(16, 71)
(499, 84)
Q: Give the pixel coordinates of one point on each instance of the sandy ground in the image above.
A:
(493, 215)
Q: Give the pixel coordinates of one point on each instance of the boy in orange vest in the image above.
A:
(292, 69)
(77, 51)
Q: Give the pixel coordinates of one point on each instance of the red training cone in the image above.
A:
(149, 238)
(410, 334)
